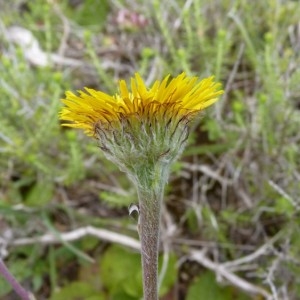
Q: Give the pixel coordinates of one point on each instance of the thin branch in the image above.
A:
(263, 250)
(208, 172)
(235, 280)
(284, 194)
(102, 234)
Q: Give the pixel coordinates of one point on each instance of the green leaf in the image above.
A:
(5, 288)
(205, 287)
(116, 200)
(123, 296)
(78, 291)
(40, 194)
(90, 12)
(121, 272)
(284, 206)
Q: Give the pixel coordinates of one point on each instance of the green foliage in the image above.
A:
(205, 287)
(117, 200)
(88, 13)
(40, 194)
(29, 133)
(121, 273)
(19, 267)
(250, 140)
(78, 291)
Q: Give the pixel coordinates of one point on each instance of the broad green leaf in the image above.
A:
(77, 291)
(205, 287)
(121, 271)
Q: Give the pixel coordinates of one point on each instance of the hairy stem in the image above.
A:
(24, 295)
(150, 207)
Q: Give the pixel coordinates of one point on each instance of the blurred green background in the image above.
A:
(235, 191)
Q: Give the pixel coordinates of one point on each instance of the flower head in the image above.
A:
(179, 97)
(143, 125)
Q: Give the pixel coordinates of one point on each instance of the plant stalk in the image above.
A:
(24, 295)
(149, 229)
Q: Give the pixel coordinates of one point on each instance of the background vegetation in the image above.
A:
(234, 195)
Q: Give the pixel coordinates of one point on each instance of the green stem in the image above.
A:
(149, 227)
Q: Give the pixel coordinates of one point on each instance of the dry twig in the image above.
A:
(102, 234)
(222, 271)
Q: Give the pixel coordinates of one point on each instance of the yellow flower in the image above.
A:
(143, 130)
(177, 98)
